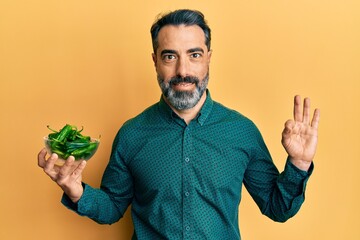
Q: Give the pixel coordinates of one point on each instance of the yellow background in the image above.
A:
(89, 63)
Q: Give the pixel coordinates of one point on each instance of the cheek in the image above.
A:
(203, 71)
(165, 72)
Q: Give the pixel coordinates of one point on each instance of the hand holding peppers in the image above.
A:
(67, 143)
(67, 176)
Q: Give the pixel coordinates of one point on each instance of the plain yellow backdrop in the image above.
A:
(89, 63)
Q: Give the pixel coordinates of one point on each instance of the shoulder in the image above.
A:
(150, 114)
(237, 127)
(134, 127)
(226, 114)
(234, 123)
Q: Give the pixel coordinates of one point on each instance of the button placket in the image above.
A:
(186, 182)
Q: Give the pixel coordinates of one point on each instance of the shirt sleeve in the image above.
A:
(107, 204)
(94, 204)
(278, 195)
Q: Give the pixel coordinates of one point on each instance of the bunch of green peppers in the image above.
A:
(69, 141)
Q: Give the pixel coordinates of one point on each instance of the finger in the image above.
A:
(306, 111)
(298, 115)
(49, 164)
(286, 134)
(316, 119)
(41, 158)
(289, 125)
(78, 171)
(66, 169)
(50, 169)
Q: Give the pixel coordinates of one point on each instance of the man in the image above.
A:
(182, 162)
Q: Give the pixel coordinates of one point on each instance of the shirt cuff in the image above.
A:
(296, 172)
(66, 201)
(295, 179)
(81, 206)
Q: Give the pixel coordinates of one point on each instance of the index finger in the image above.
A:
(49, 167)
(316, 119)
(298, 114)
(41, 158)
(306, 111)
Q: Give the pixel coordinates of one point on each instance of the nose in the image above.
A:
(182, 68)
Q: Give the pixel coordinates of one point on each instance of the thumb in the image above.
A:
(289, 125)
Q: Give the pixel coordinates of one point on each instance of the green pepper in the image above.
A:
(51, 129)
(64, 132)
(59, 153)
(69, 141)
(72, 134)
(53, 135)
(70, 147)
(81, 152)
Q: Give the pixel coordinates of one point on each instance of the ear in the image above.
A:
(209, 55)
(154, 58)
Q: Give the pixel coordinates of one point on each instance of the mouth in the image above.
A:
(183, 86)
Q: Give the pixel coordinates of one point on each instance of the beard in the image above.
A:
(182, 100)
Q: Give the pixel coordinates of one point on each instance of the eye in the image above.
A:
(196, 55)
(168, 57)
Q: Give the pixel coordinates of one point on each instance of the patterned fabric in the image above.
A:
(184, 181)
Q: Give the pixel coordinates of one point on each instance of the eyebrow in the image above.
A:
(197, 49)
(191, 50)
(167, 51)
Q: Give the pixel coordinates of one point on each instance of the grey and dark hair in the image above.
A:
(179, 17)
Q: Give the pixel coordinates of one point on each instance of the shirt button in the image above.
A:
(187, 228)
(187, 194)
(187, 159)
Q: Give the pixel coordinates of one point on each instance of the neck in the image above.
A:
(189, 114)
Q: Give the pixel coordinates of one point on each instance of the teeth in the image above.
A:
(184, 84)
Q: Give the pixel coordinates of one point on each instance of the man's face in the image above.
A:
(182, 64)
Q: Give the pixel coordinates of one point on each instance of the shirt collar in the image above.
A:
(205, 110)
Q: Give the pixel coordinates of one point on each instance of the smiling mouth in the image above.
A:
(183, 84)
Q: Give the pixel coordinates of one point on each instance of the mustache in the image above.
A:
(188, 79)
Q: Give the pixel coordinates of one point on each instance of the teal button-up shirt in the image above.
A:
(184, 181)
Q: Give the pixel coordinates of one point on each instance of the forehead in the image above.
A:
(181, 37)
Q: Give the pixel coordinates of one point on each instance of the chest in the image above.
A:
(210, 161)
